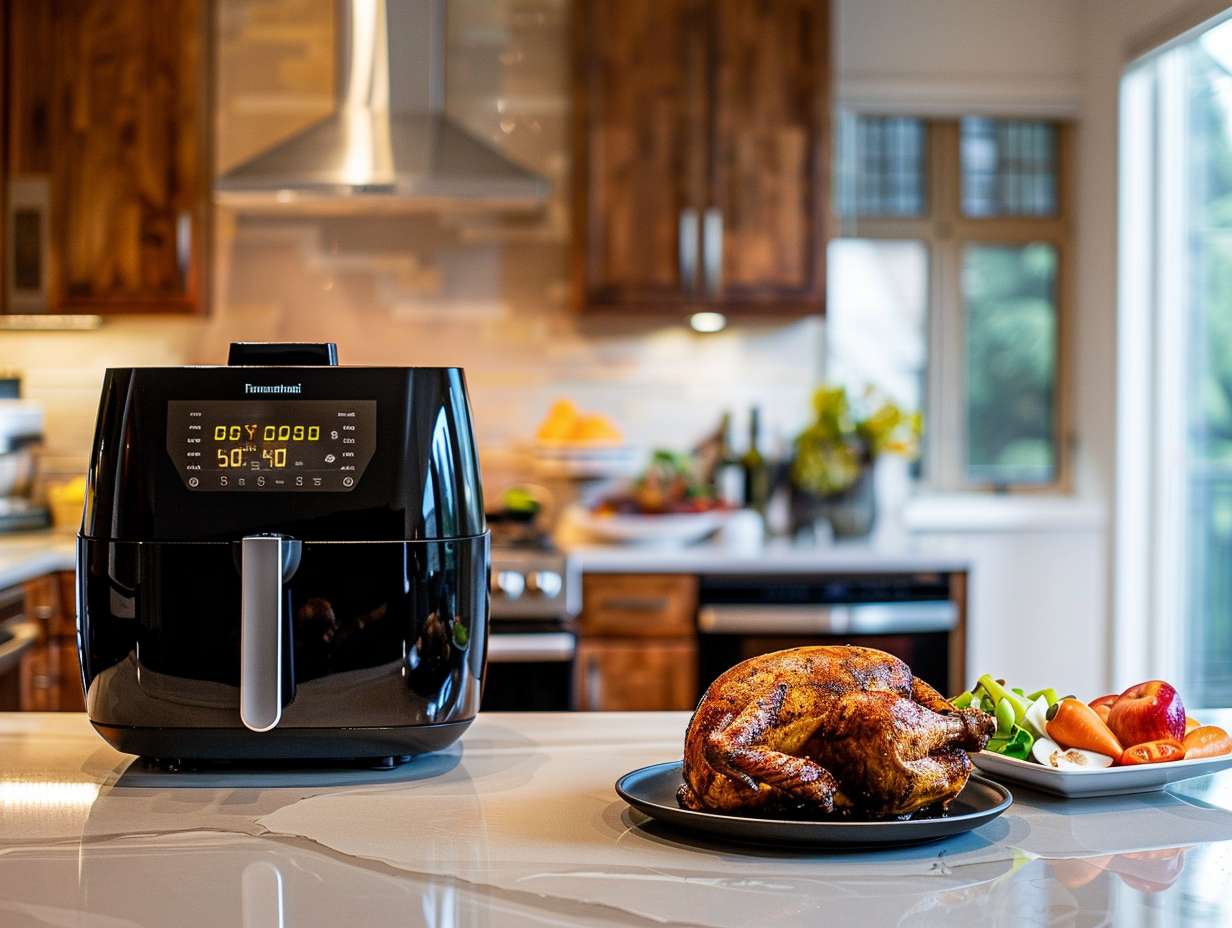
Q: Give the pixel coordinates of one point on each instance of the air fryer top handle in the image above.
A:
(278, 354)
(266, 563)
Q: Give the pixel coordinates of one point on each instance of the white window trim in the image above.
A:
(1149, 626)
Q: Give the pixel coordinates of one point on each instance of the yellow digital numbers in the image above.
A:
(247, 433)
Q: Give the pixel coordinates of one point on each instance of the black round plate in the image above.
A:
(652, 790)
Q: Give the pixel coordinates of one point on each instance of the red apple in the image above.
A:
(1103, 705)
(1149, 711)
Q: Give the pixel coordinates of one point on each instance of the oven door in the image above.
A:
(529, 670)
(918, 633)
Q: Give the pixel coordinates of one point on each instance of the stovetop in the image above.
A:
(533, 582)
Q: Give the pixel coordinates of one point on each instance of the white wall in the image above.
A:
(960, 56)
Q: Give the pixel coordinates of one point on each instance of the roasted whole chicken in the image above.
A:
(827, 731)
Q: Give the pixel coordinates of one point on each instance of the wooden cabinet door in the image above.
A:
(764, 234)
(636, 675)
(109, 107)
(639, 150)
(129, 183)
(639, 605)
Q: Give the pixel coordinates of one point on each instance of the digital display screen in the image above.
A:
(271, 445)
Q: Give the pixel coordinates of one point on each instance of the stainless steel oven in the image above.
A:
(531, 645)
(916, 617)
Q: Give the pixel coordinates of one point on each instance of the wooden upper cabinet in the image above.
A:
(110, 112)
(640, 130)
(701, 155)
(765, 223)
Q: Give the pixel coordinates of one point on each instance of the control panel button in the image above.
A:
(348, 481)
(193, 482)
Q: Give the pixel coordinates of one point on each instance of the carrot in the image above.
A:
(1207, 741)
(1152, 752)
(1074, 724)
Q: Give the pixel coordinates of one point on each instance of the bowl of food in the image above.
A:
(1136, 741)
(573, 444)
(824, 746)
(666, 504)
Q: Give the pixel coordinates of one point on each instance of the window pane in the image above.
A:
(1204, 227)
(880, 165)
(1009, 295)
(877, 317)
(1008, 167)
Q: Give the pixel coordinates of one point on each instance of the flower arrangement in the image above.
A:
(841, 443)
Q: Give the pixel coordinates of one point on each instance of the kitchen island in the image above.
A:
(519, 825)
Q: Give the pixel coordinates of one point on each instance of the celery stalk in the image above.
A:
(999, 692)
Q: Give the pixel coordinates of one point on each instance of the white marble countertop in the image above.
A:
(519, 825)
(26, 555)
(771, 558)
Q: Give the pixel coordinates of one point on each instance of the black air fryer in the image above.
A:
(283, 558)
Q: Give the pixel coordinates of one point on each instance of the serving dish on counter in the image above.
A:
(652, 791)
(1106, 781)
(673, 528)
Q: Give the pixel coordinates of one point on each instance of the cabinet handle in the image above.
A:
(687, 248)
(712, 249)
(593, 683)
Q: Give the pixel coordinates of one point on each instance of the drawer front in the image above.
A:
(639, 605)
(636, 676)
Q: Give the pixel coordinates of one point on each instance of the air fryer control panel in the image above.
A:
(271, 445)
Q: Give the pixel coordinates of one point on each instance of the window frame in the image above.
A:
(945, 231)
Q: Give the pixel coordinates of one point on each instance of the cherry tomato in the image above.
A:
(1153, 752)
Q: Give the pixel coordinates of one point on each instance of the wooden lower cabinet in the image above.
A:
(50, 672)
(636, 674)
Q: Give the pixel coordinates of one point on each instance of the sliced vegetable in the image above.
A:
(1036, 719)
(1073, 724)
(1153, 752)
(998, 692)
(963, 700)
(1051, 754)
(1049, 694)
(1207, 741)
(1005, 718)
(1017, 744)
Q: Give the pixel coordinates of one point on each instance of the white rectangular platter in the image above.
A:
(1110, 781)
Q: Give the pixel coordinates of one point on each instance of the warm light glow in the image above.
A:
(46, 794)
(49, 322)
(708, 322)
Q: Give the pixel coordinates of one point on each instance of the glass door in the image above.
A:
(1175, 378)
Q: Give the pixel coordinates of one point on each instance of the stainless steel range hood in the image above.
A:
(388, 145)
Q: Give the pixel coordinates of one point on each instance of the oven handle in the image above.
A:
(23, 635)
(853, 619)
(536, 647)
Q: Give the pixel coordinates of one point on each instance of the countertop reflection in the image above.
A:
(519, 825)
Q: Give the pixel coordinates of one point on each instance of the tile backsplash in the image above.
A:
(488, 293)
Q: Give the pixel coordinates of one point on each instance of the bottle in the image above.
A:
(728, 469)
(756, 473)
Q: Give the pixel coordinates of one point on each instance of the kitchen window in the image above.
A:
(1174, 455)
(948, 290)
